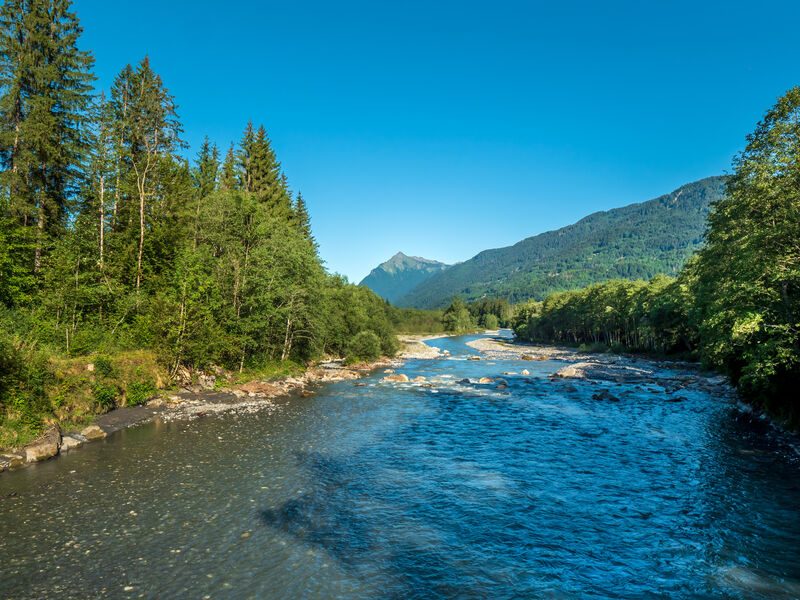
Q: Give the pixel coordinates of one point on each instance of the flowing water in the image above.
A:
(397, 490)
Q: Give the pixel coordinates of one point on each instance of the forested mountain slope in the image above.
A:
(633, 242)
(400, 274)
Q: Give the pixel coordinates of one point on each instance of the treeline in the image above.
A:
(111, 240)
(736, 304)
(486, 313)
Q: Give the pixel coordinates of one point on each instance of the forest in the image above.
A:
(117, 249)
(736, 304)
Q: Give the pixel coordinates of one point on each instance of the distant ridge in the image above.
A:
(635, 241)
(400, 274)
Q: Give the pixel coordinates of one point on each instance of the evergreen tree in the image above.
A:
(228, 178)
(45, 91)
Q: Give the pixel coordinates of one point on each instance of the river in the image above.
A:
(389, 490)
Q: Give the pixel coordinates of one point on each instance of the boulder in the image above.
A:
(72, 440)
(45, 447)
(526, 357)
(388, 371)
(259, 389)
(94, 432)
(486, 380)
(605, 395)
(11, 461)
(398, 378)
(419, 379)
(526, 372)
(464, 381)
(206, 381)
(473, 358)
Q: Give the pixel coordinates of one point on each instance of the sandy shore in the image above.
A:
(413, 347)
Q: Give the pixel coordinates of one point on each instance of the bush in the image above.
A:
(140, 392)
(364, 346)
(490, 321)
(105, 395)
(104, 366)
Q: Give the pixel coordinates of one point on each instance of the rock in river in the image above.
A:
(399, 378)
(72, 440)
(94, 432)
(605, 395)
(45, 447)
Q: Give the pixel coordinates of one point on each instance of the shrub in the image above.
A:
(364, 346)
(105, 395)
(140, 392)
(104, 366)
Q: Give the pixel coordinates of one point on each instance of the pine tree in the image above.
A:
(46, 90)
(228, 179)
(301, 218)
(149, 133)
(205, 179)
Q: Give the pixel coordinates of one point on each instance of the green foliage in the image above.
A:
(103, 366)
(139, 392)
(457, 319)
(105, 395)
(416, 321)
(489, 321)
(746, 280)
(634, 315)
(365, 346)
(112, 244)
(633, 242)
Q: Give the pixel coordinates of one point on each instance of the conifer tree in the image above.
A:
(45, 90)
(228, 179)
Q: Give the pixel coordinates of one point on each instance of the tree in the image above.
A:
(45, 91)
(456, 318)
(748, 274)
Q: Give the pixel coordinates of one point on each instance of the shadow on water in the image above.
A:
(335, 518)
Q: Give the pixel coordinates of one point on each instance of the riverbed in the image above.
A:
(527, 485)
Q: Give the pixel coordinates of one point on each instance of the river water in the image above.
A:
(398, 491)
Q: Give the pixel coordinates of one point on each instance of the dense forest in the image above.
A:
(736, 304)
(114, 245)
(637, 241)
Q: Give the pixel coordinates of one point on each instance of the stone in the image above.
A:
(419, 379)
(399, 378)
(526, 372)
(94, 432)
(464, 381)
(45, 447)
(605, 395)
(90, 367)
(485, 380)
(473, 358)
(388, 371)
(254, 388)
(12, 461)
(526, 357)
(71, 441)
(207, 382)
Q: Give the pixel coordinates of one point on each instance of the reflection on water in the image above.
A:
(397, 491)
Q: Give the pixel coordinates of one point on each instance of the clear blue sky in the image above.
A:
(445, 128)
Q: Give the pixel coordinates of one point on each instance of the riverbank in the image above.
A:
(606, 367)
(191, 401)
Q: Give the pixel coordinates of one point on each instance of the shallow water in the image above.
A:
(398, 491)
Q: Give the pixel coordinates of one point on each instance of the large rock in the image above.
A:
(397, 378)
(261, 388)
(45, 447)
(11, 461)
(71, 441)
(485, 380)
(94, 432)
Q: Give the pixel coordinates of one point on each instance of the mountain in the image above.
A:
(401, 274)
(636, 241)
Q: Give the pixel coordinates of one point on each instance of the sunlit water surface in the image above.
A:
(398, 491)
